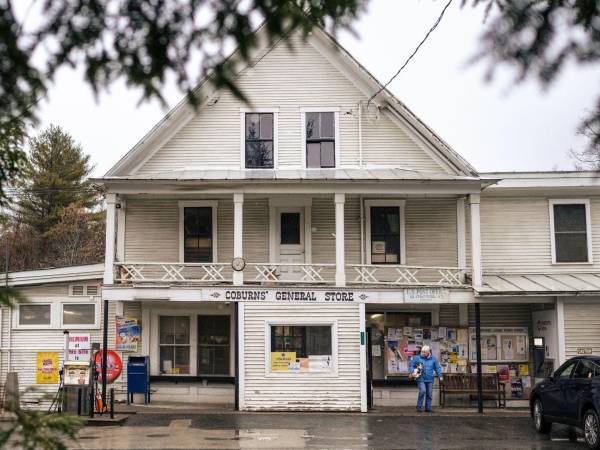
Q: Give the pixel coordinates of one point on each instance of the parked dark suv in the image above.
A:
(570, 396)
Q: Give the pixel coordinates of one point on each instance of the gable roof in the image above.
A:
(332, 50)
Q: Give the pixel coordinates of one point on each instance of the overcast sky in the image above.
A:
(496, 126)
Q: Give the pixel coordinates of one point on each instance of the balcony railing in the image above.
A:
(289, 274)
(366, 274)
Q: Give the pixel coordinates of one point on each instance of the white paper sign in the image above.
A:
(79, 347)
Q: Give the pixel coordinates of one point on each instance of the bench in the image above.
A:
(466, 383)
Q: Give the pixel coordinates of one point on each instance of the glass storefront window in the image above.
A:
(174, 345)
(301, 348)
(35, 314)
(79, 314)
(213, 345)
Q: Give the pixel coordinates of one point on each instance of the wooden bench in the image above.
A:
(466, 383)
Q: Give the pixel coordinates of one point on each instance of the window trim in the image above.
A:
(337, 143)
(588, 226)
(401, 204)
(243, 112)
(49, 326)
(333, 323)
(198, 204)
(85, 326)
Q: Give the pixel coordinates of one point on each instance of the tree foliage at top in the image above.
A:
(53, 178)
(539, 38)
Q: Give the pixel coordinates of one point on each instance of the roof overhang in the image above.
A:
(57, 275)
(540, 284)
(546, 183)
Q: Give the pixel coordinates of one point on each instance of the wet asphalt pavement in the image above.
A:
(322, 431)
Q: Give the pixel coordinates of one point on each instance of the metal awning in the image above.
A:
(540, 284)
(292, 175)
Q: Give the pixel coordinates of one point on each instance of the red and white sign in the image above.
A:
(114, 365)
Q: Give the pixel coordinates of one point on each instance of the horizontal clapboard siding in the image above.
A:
(515, 236)
(20, 346)
(302, 392)
(449, 316)
(152, 231)
(509, 315)
(288, 80)
(582, 326)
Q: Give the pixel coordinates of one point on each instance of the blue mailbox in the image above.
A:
(138, 377)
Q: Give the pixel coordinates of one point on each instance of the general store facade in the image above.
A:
(292, 252)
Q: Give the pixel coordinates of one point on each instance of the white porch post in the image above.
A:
(461, 234)
(238, 231)
(474, 200)
(560, 328)
(340, 265)
(109, 260)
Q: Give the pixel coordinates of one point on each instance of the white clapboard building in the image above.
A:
(292, 252)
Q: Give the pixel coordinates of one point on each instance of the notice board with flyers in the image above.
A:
(500, 345)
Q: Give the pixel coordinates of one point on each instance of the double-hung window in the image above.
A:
(35, 314)
(174, 345)
(259, 134)
(198, 231)
(571, 236)
(79, 314)
(320, 140)
(385, 232)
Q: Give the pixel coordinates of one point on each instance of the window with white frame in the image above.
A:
(78, 314)
(259, 140)
(385, 232)
(301, 348)
(320, 133)
(198, 230)
(571, 231)
(174, 345)
(35, 314)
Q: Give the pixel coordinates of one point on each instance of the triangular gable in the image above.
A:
(182, 125)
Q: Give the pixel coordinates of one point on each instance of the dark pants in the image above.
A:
(425, 391)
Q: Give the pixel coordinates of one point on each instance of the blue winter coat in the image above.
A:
(431, 367)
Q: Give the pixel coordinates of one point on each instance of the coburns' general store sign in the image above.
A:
(409, 295)
(275, 295)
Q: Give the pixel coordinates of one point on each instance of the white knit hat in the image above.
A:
(425, 348)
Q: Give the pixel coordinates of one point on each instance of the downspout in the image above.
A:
(6, 268)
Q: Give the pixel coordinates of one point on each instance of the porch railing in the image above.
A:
(290, 273)
(136, 272)
(396, 275)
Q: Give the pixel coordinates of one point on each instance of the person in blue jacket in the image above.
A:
(423, 368)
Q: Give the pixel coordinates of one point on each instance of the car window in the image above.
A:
(585, 369)
(566, 371)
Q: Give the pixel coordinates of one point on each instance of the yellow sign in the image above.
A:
(523, 370)
(280, 361)
(47, 368)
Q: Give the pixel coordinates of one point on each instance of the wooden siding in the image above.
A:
(341, 392)
(582, 325)
(288, 80)
(152, 231)
(515, 234)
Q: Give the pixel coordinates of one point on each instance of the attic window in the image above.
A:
(259, 140)
(81, 290)
(77, 290)
(92, 289)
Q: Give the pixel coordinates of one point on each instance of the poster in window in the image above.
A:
(280, 361)
(378, 248)
(128, 334)
(319, 363)
(508, 348)
(47, 368)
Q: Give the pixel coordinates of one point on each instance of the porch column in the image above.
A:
(238, 231)
(560, 328)
(109, 260)
(340, 269)
(474, 200)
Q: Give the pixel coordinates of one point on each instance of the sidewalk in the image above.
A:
(212, 409)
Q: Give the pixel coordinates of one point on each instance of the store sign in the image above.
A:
(128, 334)
(47, 368)
(294, 296)
(79, 347)
(584, 350)
(281, 361)
(424, 295)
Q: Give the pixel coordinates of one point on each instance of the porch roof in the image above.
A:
(291, 175)
(540, 284)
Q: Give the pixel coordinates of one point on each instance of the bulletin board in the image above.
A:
(449, 345)
(501, 345)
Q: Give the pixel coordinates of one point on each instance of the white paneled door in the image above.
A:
(290, 242)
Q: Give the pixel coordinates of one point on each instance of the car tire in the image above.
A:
(539, 422)
(591, 429)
